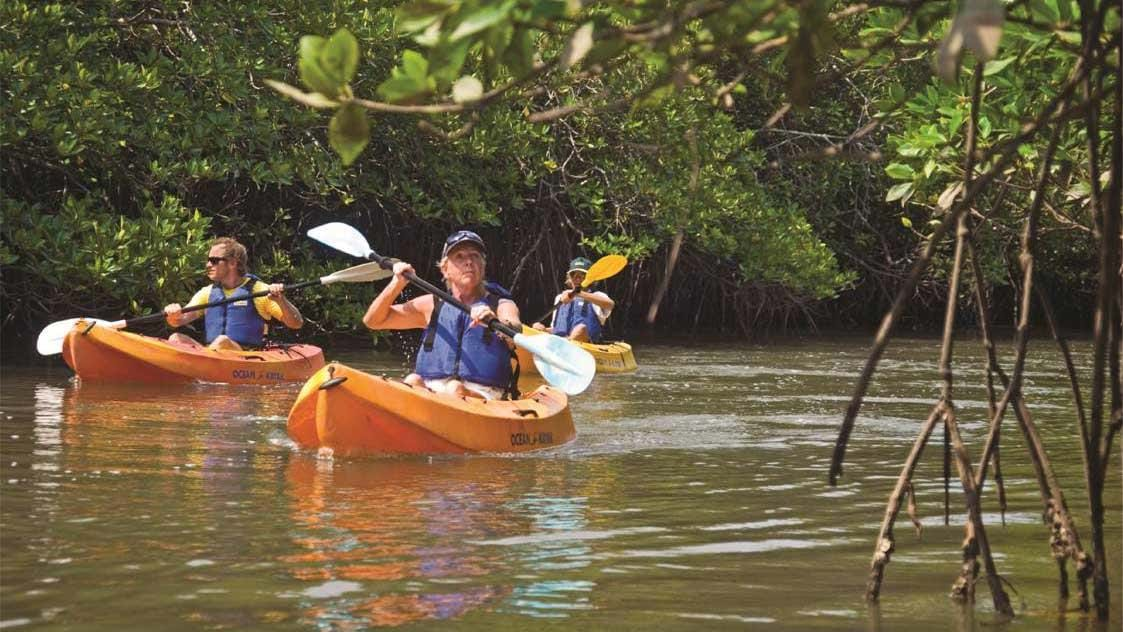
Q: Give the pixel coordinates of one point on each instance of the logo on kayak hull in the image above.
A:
(250, 374)
(531, 438)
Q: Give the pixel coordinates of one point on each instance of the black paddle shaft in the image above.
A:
(387, 264)
(149, 318)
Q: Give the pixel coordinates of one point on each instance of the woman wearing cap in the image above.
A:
(458, 354)
(582, 314)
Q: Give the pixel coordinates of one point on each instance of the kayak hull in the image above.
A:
(355, 413)
(103, 354)
(611, 357)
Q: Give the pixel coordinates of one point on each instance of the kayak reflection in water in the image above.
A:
(581, 314)
(237, 325)
(415, 556)
(458, 355)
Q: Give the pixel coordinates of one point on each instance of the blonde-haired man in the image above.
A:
(240, 324)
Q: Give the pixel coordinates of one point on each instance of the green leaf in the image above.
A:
(339, 58)
(900, 171)
(311, 73)
(995, 66)
(906, 222)
(954, 121)
(414, 65)
(519, 56)
(606, 50)
(418, 15)
(401, 88)
(482, 18)
(497, 38)
(349, 132)
(899, 192)
(984, 127)
(655, 97)
(1065, 8)
(548, 9)
(446, 62)
(1046, 9)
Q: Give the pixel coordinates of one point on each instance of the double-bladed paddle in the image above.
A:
(50, 339)
(563, 365)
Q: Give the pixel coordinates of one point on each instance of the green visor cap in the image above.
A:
(580, 264)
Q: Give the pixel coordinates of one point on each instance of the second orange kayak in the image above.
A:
(611, 357)
(103, 354)
(355, 413)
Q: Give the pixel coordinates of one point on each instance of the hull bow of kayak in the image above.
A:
(355, 413)
(102, 354)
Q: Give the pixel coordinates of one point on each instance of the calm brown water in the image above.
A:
(695, 497)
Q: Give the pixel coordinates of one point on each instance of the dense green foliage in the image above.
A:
(131, 134)
(129, 138)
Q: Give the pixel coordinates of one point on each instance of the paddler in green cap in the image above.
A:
(580, 314)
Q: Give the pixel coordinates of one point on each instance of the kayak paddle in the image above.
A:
(564, 365)
(604, 268)
(50, 339)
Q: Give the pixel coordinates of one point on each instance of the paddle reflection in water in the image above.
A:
(391, 541)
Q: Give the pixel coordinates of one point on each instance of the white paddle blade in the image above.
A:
(50, 339)
(358, 274)
(563, 364)
(343, 238)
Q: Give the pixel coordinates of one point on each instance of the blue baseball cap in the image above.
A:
(461, 237)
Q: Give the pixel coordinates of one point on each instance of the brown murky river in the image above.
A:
(695, 497)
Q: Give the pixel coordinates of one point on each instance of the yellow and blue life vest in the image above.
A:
(238, 320)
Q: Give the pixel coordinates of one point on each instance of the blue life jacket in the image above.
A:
(574, 313)
(238, 320)
(451, 347)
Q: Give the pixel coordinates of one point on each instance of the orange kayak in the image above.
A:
(355, 413)
(104, 354)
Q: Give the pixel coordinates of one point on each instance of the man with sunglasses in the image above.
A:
(241, 324)
(458, 354)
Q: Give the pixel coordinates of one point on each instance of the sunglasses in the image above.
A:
(214, 261)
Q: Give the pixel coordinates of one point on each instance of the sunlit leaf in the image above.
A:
(577, 46)
(417, 15)
(947, 198)
(995, 66)
(467, 88)
(899, 192)
(340, 56)
(978, 28)
(482, 18)
(414, 64)
(900, 171)
(311, 73)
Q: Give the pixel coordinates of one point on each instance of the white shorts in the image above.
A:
(443, 385)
